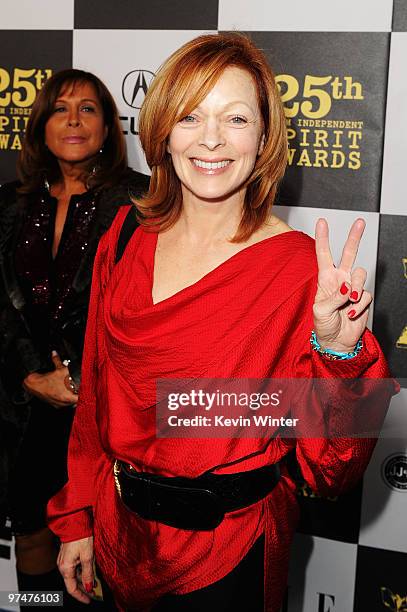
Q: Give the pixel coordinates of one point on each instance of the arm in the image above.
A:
(21, 365)
(70, 511)
(19, 356)
(331, 465)
(337, 309)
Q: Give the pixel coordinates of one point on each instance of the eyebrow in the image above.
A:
(233, 103)
(82, 100)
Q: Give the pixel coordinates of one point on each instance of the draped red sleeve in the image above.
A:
(70, 513)
(334, 464)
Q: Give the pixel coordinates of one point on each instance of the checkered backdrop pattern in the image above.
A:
(342, 77)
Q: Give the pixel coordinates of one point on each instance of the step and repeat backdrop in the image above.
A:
(341, 70)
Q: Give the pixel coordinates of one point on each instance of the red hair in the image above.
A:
(182, 82)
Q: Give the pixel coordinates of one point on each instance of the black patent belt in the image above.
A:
(192, 503)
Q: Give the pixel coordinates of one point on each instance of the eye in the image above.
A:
(59, 109)
(88, 109)
(238, 120)
(188, 119)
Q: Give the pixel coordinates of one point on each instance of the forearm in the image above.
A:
(19, 355)
(353, 397)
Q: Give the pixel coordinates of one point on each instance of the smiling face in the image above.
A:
(215, 147)
(76, 129)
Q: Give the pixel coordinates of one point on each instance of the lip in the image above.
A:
(213, 160)
(74, 139)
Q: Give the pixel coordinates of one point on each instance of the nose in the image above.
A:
(212, 136)
(73, 118)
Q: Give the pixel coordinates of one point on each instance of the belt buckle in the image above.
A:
(116, 471)
(190, 509)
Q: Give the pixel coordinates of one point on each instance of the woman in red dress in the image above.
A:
(211, 285)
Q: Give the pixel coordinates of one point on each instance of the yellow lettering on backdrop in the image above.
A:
(16, 146)
(4, 138)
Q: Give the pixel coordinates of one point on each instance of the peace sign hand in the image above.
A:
(341, 304)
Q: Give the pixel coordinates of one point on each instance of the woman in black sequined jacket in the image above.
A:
(73, 179)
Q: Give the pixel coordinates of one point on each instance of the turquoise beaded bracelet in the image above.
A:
(334, 355)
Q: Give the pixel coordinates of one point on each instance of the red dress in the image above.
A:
(251, 317)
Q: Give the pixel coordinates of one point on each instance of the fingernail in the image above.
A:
(351, 313)
(54, 353)
(343, 289)
(354, 295)
(89, 587)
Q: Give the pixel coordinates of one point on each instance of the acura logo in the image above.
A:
(135, 86)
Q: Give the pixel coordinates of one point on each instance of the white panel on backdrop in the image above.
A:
(322, 575)
(124, 60)
(314, 15)
(384, 501)
(36, 15)
(8, 576)
(339, 222)
(394, 199)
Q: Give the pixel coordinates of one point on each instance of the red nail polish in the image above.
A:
(343, 289)
(354, 295)
(351, 313)
(89, 587)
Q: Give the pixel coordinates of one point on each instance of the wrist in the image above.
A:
(326, 345)
(334, 354)
(30, 379)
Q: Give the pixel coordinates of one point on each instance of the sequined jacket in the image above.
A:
(19, 354)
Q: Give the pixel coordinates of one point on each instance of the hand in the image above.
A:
(341, 303)
(51, 387)
(72, 554)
